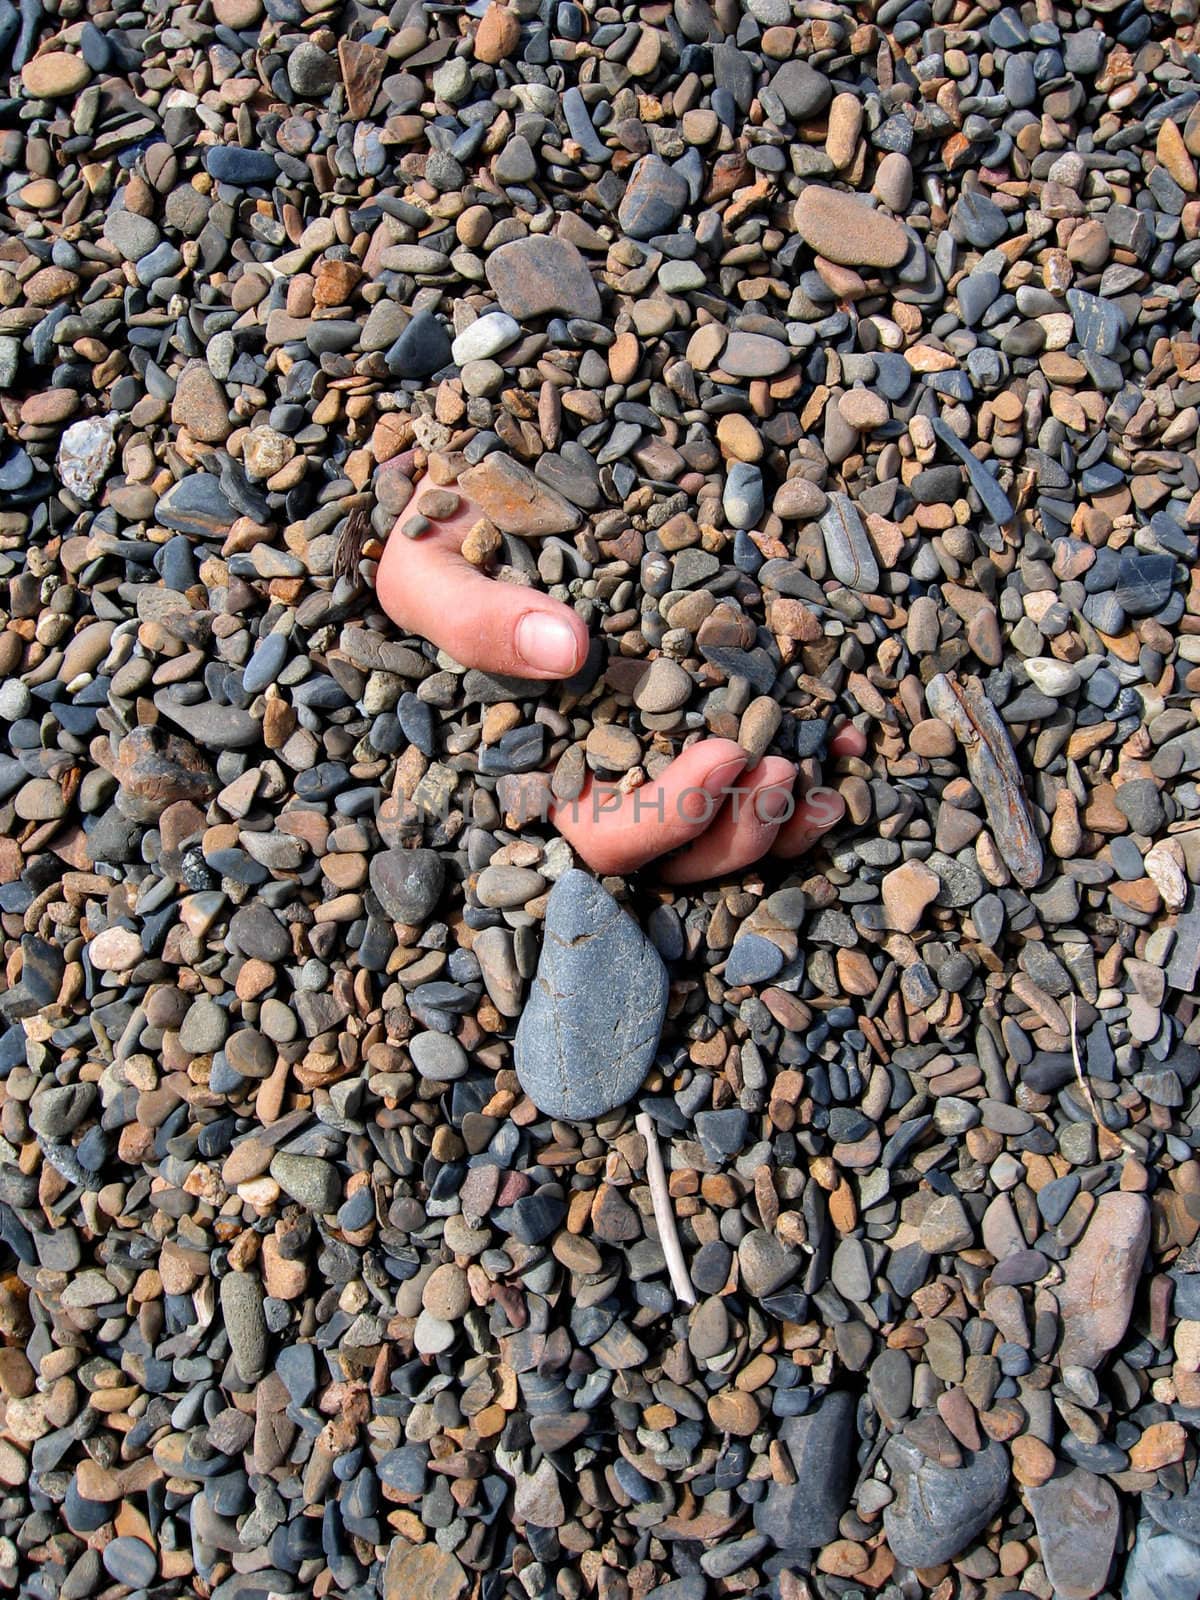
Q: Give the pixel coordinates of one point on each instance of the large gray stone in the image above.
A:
(938, 1511)
(1078, 1517)
(804, 1515)
(590, 1027)
(1161, 1567)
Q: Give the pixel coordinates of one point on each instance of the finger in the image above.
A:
(847, 741)
(427, 587)
(746, 828)
(618, 834)
(817, 811)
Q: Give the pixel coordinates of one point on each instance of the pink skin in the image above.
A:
(426, 587)
(697, 808)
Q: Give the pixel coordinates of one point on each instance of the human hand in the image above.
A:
(709, 809)
(705, 806)
(427, 586)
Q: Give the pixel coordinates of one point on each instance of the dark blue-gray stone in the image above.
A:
(753, 959)
(230, 163)
(937, 1511)
(654, 199)
(975, 294)
(979, 219)
(1177, 1513)
(16, 468)
(407, 883)
(196, 504)
(803, 90)
(1161, 1567)
(296, 1364)
(995, 502)
(804, 1515)
(422, 349)
(265, 664)
(579, 122)
(1144, 582)
(83, 1516)
(723, 1132)
(591, 1025)
(1099, 324)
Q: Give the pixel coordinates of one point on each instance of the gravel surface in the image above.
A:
(831, 362)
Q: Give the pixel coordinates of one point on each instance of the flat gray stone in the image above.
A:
(1161, 1567)
(804, 1515)
(938, 1511)
(1078, 1517)
(591, 1024)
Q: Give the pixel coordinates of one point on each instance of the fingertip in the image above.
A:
(553, 643)
(816, 814)
(847, 741)
(822, 809)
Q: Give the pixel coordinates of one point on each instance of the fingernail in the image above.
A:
(720, 776)
(774, 804)
(547, 643)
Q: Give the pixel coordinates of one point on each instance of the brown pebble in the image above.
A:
(734, 1412)
(1033, 1461)
(438, 504)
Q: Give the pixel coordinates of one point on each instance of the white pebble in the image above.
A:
(1052, 677)
(484, 337)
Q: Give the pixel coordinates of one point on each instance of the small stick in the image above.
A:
(1084, 1085)
(664, 1214)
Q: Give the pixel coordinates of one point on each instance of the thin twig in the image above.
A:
(1084, 1086)
(664, 1214)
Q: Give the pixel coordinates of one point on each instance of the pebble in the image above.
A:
(541, 277)
(1101, 1277)
(803, 1515)
(830, 368)
(131, 1562)
(938, 1510)
(485, 337)
(843, 228)
(591, 1024)
(1077, 1516)
(53, 74)
(242, 1309)
(654, 198)
(408, 883)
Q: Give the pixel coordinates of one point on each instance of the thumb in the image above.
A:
(427, 587)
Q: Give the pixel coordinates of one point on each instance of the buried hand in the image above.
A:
(708, 806)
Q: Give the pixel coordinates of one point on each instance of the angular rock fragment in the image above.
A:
(993, 769)
(516, 501)
(541, 276)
